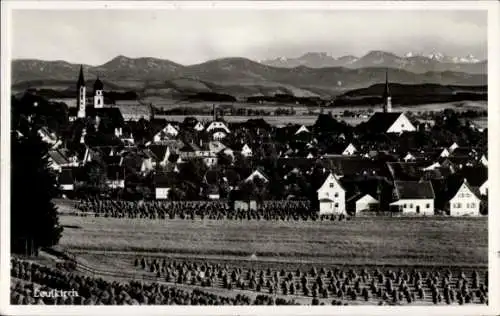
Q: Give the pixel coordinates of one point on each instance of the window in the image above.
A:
(331, 185)
(336, 194)
(404, 205)
(327, 194)
(336, 204)
(427, 205)
(411, 205)
(473, 205)
(459, 205)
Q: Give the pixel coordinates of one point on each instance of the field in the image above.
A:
(131, 110)
(364, 241)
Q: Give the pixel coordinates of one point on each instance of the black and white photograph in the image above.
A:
(243, 154)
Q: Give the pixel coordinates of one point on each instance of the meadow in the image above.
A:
(362, 241)
(132, 110)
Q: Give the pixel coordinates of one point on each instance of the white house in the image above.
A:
(483, 189)
(310, 156)
(444, 153)
(199, 127)
(161, 154)
(210, 160)
(161, 193)
(414, 197)
(147, 165)
(409, 157)
(246, 151)
(215, 125)
(257, 174)
(166, 133)
(219, 135)
(453, 147)
(302, 129)
(331, 196)
(365, 203)
(484, 160)
(390, 122)
(464, 201)
(349, 150)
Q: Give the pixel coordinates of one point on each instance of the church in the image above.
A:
(388, 121)
(94, 108)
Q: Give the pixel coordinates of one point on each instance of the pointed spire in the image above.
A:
(81, 80)
(386, 90)
(387, 95)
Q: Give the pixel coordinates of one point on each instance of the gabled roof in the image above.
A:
(382, 121)
(464, 151)
(58, 157)
(259, 173)
(66, 177)
(302, 129)
(165, 180)
(189, 147)
(455, 183)
(112, 160)
(113, 114)
(327, 176)
(414, 190)
(158, 151)
(351, 165)
(115, 172)
(475, 175)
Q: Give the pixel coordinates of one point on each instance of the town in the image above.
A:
(390, 165)
(215, 155)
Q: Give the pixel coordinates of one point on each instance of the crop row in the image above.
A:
(387, 286)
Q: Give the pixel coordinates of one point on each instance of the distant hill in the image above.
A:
(417, 63)
(234, 76)
(413, 94)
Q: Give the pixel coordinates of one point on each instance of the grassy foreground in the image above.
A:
(394, 241)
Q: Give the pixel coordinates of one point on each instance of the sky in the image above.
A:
(194, 36)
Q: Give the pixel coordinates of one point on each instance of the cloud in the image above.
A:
(192, 36)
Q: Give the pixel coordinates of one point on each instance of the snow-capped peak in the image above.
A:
(469, 59)
(413, 54)
(436, 56)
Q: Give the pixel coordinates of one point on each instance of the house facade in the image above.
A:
(464, 202)
(350, 150)
(413, 198)
(366, 203)
(161, 193)
(331, 196)
(246, 151)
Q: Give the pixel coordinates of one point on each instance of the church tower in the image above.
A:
(81, 94)
(98, 96)
(387, 95)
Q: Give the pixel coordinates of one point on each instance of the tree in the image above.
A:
(34, 219)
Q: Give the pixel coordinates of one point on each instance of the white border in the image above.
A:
(493, 159)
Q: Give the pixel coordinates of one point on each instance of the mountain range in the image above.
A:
(235, 76)
(414, 62)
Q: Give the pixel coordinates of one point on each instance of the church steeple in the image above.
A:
(387, 95)
(81, 97)
(81, 80)
(98, 94)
